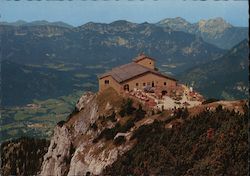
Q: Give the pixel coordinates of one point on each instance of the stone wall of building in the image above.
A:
(112, 83)
(149, 63)
(153, 80)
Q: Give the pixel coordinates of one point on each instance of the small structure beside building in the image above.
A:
(139, 74)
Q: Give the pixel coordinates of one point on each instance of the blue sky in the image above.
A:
(79, 12)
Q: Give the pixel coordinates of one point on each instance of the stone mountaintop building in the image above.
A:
(139, 74)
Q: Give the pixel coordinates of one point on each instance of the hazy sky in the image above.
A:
(79, 12)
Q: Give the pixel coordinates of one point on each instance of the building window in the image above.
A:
(106, 82)
(153, 84)
(126, 87)
(149, 62)
(144, 84)
(165, 83)
(137, 84)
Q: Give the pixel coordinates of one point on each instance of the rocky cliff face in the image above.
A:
(58, 157)
(106, 127)
(72, 150)
(109, 134)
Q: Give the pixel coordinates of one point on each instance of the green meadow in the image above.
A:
(36, 119)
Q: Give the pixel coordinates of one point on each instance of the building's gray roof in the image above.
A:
(131, 70)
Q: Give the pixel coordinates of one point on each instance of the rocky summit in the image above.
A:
(215, 31)
(109, 134)
(77, 146)
(105, 128)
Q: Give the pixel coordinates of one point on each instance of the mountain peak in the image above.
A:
(44, 22)
(16, 23)
(37, 23)
(177, 23)
(218, 24)
(176, 20)
(218, 19)
(20, 22)
(122, 23)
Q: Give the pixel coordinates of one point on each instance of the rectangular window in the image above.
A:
(165, 83)
(144, 84)
(106, 81)
(136, 84)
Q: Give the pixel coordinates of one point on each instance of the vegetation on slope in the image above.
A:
(129, 114)
(224, 78)
(212, 143)
(23, 156)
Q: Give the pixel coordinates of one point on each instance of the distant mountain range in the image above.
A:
(115, 43)
(38, 51)
(226, 77)
(36, 23)
(215, 31)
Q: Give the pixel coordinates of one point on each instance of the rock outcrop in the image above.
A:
(72, 150)
(102, 130)
(58, 156)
